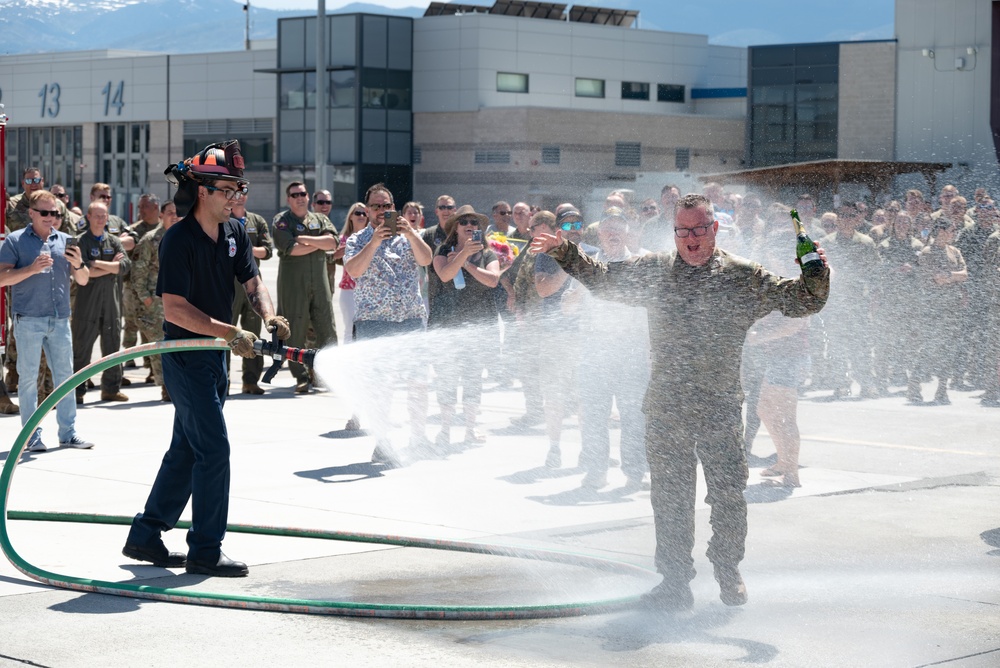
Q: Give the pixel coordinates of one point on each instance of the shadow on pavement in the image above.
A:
(766, 493)
(97, 604)
(992, 538)
(538, 473)
(342, 474)
(586, 496)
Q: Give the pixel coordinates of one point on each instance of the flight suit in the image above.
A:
(698, 321)
(142, 286)
(304, 295)
(257, 230)
(97, 312)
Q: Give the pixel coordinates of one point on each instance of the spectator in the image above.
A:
(518, 283)
(388, 301)
(355, 221)
(252, 368)
(658, 232)
(472, 305)
(149, 218)
(39, 264)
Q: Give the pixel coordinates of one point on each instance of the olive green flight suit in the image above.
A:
(257, 230)
(698, 320)
(304, 295)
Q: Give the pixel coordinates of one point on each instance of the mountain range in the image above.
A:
(193, 26)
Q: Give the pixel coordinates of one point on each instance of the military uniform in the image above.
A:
(98, 310)
(698, 321)
(972, 241)
(896, 327)
(304, 295)
(142, 286)
(130, 310)
(940, 315)
(256, 228)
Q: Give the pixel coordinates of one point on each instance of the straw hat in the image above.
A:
(465, 211)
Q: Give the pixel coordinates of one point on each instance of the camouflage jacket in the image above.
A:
(698, 316)
(145, 269)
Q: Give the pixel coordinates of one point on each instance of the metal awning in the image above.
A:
(829, 174)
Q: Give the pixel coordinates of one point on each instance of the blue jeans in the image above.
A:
(52, 335)
(196, 466)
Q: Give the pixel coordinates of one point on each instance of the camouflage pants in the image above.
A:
(677, 437)
(151, 329)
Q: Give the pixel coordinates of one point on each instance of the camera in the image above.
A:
(391, 221)
(477, 235)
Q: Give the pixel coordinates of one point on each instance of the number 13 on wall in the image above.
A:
(114, 98)
(50, 100)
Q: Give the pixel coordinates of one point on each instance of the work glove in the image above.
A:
(241, 342)
(277, 323)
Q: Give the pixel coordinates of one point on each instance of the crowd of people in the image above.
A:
(621, 312)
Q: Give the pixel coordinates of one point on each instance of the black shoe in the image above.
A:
(158, 555)
(666, 597)
(223, 567)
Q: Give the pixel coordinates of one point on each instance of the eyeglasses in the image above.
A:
(231, 193)
(649, 208)
(45, 213)
(380, 207)
(297, 195)
(33, 180)
(322, 202)
(572, 226)
(359, 212)
(503, 213)
(699, 231)
(104, 197)
(446, 207)
(468, 221)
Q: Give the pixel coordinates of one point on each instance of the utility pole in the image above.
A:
(246, 30)
(323, 180)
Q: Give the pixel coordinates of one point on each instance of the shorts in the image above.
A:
(787, 371)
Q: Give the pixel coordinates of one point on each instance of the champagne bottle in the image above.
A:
(459, 278)
(805, 248)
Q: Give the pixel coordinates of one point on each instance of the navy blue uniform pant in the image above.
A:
(197, 464)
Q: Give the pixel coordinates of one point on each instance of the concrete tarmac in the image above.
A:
(886, 556)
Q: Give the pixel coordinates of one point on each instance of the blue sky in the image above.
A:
(731, 22)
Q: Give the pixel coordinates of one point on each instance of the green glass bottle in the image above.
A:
(805, 249)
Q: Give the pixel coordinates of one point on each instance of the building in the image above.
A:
(521, 100)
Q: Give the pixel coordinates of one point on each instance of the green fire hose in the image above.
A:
(343, 608)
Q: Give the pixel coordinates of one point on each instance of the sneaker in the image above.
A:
(76, 442)
(595, 480)
(554, 459)
(36, 446)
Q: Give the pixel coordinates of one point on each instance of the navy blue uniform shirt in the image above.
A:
(201, 271)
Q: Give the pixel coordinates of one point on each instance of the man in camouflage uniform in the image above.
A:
(17, 219)
(304, 296)
(97, 312)
(149, 218)
(701, 302)
(142, 286)
(243, 313)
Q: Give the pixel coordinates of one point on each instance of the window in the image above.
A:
(628, 154)
(485, 157)
(508, 82)
(682, 159)
(550, 155)
(632, 90)
(669, 93)
(590, 87)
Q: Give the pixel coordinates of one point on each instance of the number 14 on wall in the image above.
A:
(114, 97)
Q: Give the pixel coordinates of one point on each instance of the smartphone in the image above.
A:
(391, 220)
(72, 241)
(477, 235)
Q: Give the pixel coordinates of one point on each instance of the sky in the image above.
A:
(726, 22)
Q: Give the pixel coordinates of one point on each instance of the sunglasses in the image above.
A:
(572, 226)
(446, 207)
(33, 180)
(359, 212)
(503, 213)
(323, 202)
(380, 207)
(649, 208)
(45, 213)
(297, 195)
(468, 221)
(104, 197)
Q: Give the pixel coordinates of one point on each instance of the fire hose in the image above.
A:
(279, 352)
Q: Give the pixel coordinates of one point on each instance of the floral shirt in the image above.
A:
(346, 282)
(389, 290)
